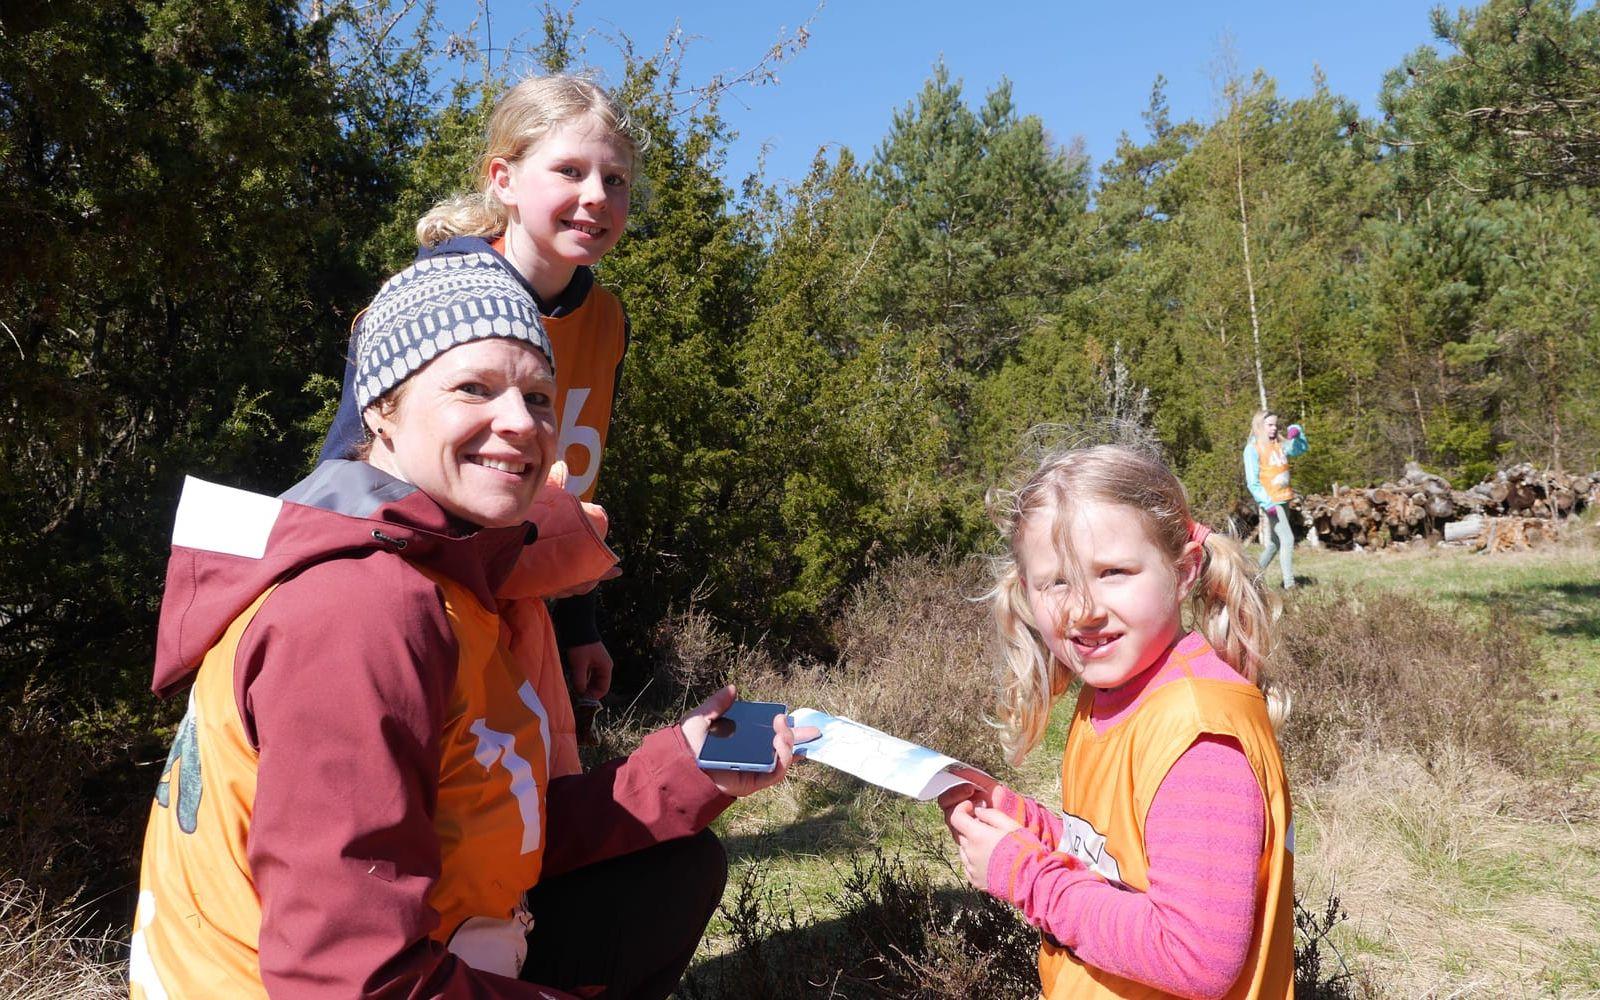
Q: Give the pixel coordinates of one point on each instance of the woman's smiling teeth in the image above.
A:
(515, 468)
(585, 228)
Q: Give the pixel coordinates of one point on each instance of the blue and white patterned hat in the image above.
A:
(434, 305)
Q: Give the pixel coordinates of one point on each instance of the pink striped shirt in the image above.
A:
(1190, 933)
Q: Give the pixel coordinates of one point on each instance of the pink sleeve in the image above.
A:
(1190, 934)
(1044, 824)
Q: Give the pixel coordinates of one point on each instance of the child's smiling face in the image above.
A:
(1130, 609)
(567, 197)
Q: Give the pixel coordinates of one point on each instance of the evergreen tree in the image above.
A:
(180, 191)
(1540, 327)
(1516, 107)
(684, 272)
(967, 228)
(841, 414)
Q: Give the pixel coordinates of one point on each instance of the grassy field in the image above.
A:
(1553, 591)
(1451, 813)
(1462, 879)
(1443, 749)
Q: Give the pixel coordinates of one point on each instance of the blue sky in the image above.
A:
(1084, 69)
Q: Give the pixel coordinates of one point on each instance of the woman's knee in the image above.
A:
(704, 862)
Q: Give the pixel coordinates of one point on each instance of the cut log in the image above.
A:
(1423, 505)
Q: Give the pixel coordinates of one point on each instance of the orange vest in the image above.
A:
(197, 926)
(589, 343)
(1274, 470)
(1108, 781)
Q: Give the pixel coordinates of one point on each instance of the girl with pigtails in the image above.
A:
(1168, 870)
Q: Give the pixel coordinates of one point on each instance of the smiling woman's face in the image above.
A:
(475, 430)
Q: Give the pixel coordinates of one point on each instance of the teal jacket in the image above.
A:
(1292, 448)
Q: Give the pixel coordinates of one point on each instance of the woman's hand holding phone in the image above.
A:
(738, 784)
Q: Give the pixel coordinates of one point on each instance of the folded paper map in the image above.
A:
(884, 760)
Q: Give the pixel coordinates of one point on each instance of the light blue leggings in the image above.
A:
(1281, 544)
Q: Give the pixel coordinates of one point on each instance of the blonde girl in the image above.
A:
(554, 186)
(1169, 870)
(1266, 475)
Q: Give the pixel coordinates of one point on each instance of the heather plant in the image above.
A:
(1385, 670)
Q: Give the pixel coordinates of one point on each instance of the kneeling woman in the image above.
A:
(358, 801)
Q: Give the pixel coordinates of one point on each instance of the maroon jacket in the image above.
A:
(299, 823)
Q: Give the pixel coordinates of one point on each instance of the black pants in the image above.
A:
(629, 925)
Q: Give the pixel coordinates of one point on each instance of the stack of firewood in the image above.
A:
(1511, 509)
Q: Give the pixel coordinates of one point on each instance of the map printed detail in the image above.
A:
(884, 760)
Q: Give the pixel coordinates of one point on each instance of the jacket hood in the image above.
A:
(230, 545)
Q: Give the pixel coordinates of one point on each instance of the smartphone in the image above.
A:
(741, 738)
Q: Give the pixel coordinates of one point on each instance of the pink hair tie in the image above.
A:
(1198, 532)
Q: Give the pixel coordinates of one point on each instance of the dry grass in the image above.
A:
(73, 801)
(45, 953)
(1452, 893)
(1442, 789)
(1382, 670)
(898, 932)
(67, 813)
(914, 659)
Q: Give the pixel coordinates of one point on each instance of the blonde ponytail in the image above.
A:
(523, 116)
(1237, 616)
(479, 214)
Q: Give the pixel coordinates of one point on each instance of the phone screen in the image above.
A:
(741, 738)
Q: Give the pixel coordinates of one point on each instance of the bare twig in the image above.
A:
(14, 339)
(763, 72)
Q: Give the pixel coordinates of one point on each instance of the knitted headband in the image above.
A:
(434, 305)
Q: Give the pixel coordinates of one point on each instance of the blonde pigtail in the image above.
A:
(1237, 616)
(1029, 676)
(477, 214)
